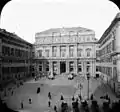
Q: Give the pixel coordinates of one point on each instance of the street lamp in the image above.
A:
(88, 77)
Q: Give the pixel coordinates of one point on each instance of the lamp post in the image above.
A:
(88, 77)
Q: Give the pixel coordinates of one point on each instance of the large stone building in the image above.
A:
(108, 55)
(15, 57)
(65, 50)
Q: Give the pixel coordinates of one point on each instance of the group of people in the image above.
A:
(64, 107)
(78, 104)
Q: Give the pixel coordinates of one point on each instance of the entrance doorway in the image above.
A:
(62, 67)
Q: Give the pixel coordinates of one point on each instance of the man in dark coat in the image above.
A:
(61, 97)
(21, 104)
(55, 108)
(38, 90)
(49, 95)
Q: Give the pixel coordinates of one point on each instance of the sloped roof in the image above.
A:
(13, 35)
(65, 29)
(107, 31)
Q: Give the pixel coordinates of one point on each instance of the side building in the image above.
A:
(108, 55)
(65, 50)
(15, 58)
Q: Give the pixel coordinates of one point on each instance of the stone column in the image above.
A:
(75, 68)
(84, 67)
(44, 66)
(51, 68)
(117, 48)
(67, 66)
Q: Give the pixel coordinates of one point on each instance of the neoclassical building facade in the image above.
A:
(108, 55)
(65, 50)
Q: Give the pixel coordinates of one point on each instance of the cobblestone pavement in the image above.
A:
(61, 85)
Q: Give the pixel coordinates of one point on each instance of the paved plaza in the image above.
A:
(59, 86)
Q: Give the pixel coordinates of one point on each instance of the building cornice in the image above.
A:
(13, 36)
(108, 30)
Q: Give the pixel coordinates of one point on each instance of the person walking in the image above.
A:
(21, 104)
(38, 90)
(49, 95)
(55, 108)
(30, 101)
(91, 98)
(61, 97)
(49, 103)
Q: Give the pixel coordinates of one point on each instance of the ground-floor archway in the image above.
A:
(62, 67)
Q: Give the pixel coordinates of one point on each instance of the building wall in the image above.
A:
(0, 61)
(61, 46)
(108, 55)
(15, 57)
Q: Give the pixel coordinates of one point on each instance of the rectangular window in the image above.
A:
(3, 50)
(54, 51)
(47, 52)
(88, 53)
(71, 51)
(88, 38)
(62, 51)
(79, 52)
(12, 51)
(16, 52)
(88, 50)
(39, 53)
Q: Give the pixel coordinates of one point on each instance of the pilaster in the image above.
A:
(75, 68)
(67, 66)
(51, 68)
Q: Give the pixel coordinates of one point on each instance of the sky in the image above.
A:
(27, 17)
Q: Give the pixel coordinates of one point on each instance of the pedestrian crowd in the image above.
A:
(77, 104)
